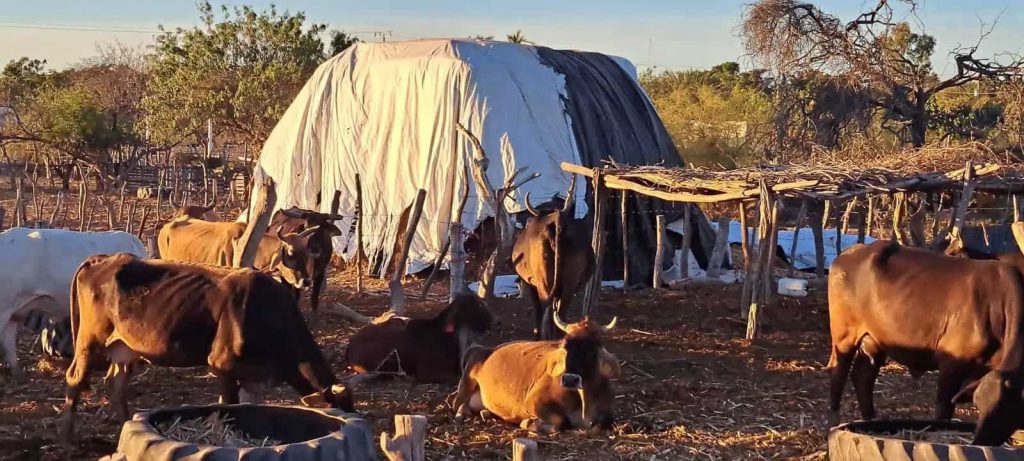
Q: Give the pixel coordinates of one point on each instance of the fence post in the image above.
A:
(659, 253)
(524, 449)
(409, 441)
(359, 235)
(623, 225)
(395, 285)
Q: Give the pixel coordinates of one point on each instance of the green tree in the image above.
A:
(340, 41)
(241, 70)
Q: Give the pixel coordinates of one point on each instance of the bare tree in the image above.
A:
(875, 52)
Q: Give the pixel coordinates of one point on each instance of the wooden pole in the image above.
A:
(719, 249)
(624, 228)
(129, 225)
(92, 212)
(773, 245)
(409, 441)
(916, 222)
(142, 224)
(524, 450)
(965, 201)
(359, 235)
(596, 243)
(159, 193)
(395, 285)
(56, 209)
(246, 245)
(36, 204)
(3, 212)
(687, 239)
(19, 204)
(83, 192)
(763, 266)
(871, 215)
(748, 261)
(659, 253)
(456, 216)
(1016, 208)
(120, 206)
(819, 246)
(899, 205)
(801, 215)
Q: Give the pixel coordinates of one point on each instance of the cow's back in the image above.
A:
(42, 262)
(197, 241)
(508, 375)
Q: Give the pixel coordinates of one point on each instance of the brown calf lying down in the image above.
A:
(428, 350)
(543, 385)
(241, 323)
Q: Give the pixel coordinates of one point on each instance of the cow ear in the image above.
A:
(316, 400)
(609, 365)
(556, 365)
(331, 229)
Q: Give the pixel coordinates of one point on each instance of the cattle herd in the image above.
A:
(960, 313)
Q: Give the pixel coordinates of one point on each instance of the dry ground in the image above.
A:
(691, 389)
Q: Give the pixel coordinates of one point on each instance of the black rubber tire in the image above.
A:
(342, 436)
(868, 441)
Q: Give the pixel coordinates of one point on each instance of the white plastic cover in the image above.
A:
(388, 113)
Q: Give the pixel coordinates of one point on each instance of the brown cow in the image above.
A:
(543, 385)
(553, 258)
(191, 240)
(297, 220)
(928, 311)
(241, 323)
(429, 350)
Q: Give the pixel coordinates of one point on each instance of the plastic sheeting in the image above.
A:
(388, 113)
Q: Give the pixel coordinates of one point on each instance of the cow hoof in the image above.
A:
(486, 415)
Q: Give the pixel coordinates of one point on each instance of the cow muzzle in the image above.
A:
(572, 381)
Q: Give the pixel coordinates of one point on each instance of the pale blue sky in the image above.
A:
(671, 34)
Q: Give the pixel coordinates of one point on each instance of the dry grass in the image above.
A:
(215, 429)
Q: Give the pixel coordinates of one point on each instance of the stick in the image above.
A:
(56, 209)
(92, 211)
(83, 192)
(819, 246)
(524, 450)
(767, 209)
(773, 245)
(659, 253)
(624, 228)
(142, 225)
(871, 215)
(409, 441)
(246, 245)
(19, 204)
(395, 285)
(120, 206)
(801, 215)
(129, 226)
(359, 235)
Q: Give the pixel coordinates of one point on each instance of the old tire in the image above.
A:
(307, 434)
(873, 441)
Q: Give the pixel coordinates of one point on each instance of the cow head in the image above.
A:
(297, 220)
(297, 256)
(955, 246)
(998, 396)
(467, 312)
(582, 364)
(334, 396)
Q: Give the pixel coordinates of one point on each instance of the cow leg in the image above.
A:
(865, 372)
(9, 342)
(229, 389)
(119, 389)
(77, 381)
(538, 309)
(839, 369)
(951, 380)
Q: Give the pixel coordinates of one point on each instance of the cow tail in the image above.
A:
(75, 307)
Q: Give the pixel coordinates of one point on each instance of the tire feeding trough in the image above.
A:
(216, 432)
(915, 440)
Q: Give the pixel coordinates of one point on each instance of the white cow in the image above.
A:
(36, 268)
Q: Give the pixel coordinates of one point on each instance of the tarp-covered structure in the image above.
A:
(388, 112)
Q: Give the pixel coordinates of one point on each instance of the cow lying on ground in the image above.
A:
(928, 311)
(543, 385)
(290, 255)
(296, 220)
(428, 350)
(37, 268)
(554, 259)
(243, 324)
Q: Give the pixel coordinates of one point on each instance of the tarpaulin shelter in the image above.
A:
(388, 112)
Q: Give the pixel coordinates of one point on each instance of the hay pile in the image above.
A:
(215, 429)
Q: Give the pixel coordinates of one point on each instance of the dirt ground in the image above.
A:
(691, 387)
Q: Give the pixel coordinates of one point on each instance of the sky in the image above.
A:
(666, 34)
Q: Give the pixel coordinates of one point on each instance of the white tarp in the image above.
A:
(804, 257)
(388, 113)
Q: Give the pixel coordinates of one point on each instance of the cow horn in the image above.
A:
(293, 214)
(279, 235)
(570, 195)
(559, 322)
(529, 207)
(610, 325)
(310, 231)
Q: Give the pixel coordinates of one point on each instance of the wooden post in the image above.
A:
(3, 212)
(359, 235)
(92, 211)
(1016, 208)
(801, 215)
(142, 224)
(687, 240)
(524, 449)
(965, 201)
(129, 225)
(899, 205)
(871, 215)
(57, 207)
(456, 217)
(718, 251)
(915, 222)
(596, 243)
(395, 285)
(773, 245)
(763, 265)
(36, 204)
(83, 192)
(246, 245)
(748, 261)
(409, 441)
(120, 205)
(624, 227)
(819, 246)
(19, 204)
(457, 265)
(659, 253)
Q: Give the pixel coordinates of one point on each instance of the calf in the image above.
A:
(927, 311)
(429, 350)
(297, 220)
(554, 259)
(37, 268)
(543, 385)
(241, 323)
